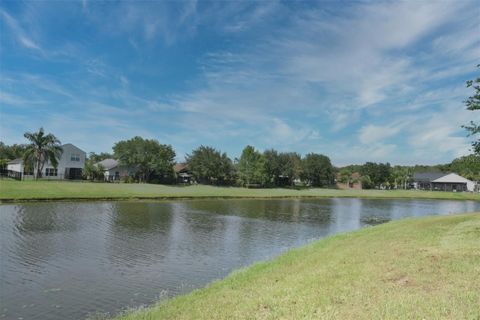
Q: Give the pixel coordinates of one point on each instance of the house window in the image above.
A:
(51, 172)
(75, 157)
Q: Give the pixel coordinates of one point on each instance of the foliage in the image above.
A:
(467, 166)
(272, 166)
(97, 157)
(401, 176)
(317, 170)
(42, 148)
(251, 167)
(282, 168)
(291, 167)
(91, 171)
(379, 173)
(473, 104)
(151, 159)
(210, 166)
(11, 152)
(345, 176)
(367, 182)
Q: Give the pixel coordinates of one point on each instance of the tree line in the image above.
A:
(154, 162)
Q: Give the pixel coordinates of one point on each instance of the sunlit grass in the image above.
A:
(45, 190)
(426, 268)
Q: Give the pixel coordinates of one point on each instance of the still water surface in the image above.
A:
(69, 260)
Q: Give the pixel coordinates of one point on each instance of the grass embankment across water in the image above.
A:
(11, 191)
(427, 268)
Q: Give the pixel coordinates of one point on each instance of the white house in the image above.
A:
(70, 165)
(113, 171)
(442, 182)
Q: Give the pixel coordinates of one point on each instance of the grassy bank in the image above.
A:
(425, 268)
(11, 190)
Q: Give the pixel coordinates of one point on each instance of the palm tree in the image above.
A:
(42, 148)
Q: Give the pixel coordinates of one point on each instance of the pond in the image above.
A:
(71, 260)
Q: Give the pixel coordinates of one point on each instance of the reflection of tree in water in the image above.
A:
(139, 233)
(49, 217)
(45, 230)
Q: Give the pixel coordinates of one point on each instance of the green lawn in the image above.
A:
(426, 268)
(11, 190)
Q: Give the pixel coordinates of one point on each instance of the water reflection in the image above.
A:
(64, 260)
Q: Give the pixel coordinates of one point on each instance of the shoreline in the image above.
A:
(417, 256)
(189, 198)
(51, 191)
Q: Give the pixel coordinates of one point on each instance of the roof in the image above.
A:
(439, 177)
(452, 178)
(74, 146)
(427, 176)
(179, 167)
(15, 161)
(108, 164)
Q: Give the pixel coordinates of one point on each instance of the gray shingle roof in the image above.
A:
(108, 164)
(427, 176)
(15, 161)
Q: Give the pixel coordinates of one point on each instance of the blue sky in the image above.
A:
(357, 81)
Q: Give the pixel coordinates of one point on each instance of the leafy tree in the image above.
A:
(345, 176)
(42, 148)
(210, 166)
(151, 159)
(367, 182)
(290, 167)
(379, 173)
(467, 166)
(97, 157)
(317, 170)
(11, 152)
(272, 166)
(92, 171)
(473, 104)
(251, 167)
(282, 168)
(400, 176)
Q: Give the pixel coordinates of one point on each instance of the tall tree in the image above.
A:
(150, 158)
(473, 104)
(272, 166)
(379, 173)
(210, 166)
(290, 167)
(41, 149)
(467, 166)
(251, 167)
(345, 176)
(317, 170)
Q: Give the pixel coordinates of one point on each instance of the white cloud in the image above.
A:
(371, 133)
(18, 32)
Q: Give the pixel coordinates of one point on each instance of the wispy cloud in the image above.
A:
(355, 82)
(18, 32)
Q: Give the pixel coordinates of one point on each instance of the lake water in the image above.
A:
(69, 260)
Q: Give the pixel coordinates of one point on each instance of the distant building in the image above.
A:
(70, 166)
(114, 171)
(184, 175)
(442, 182)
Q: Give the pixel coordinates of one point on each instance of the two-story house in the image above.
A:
(70, 165)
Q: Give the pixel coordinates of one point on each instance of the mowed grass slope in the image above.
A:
(426, 268)
(11, 190)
